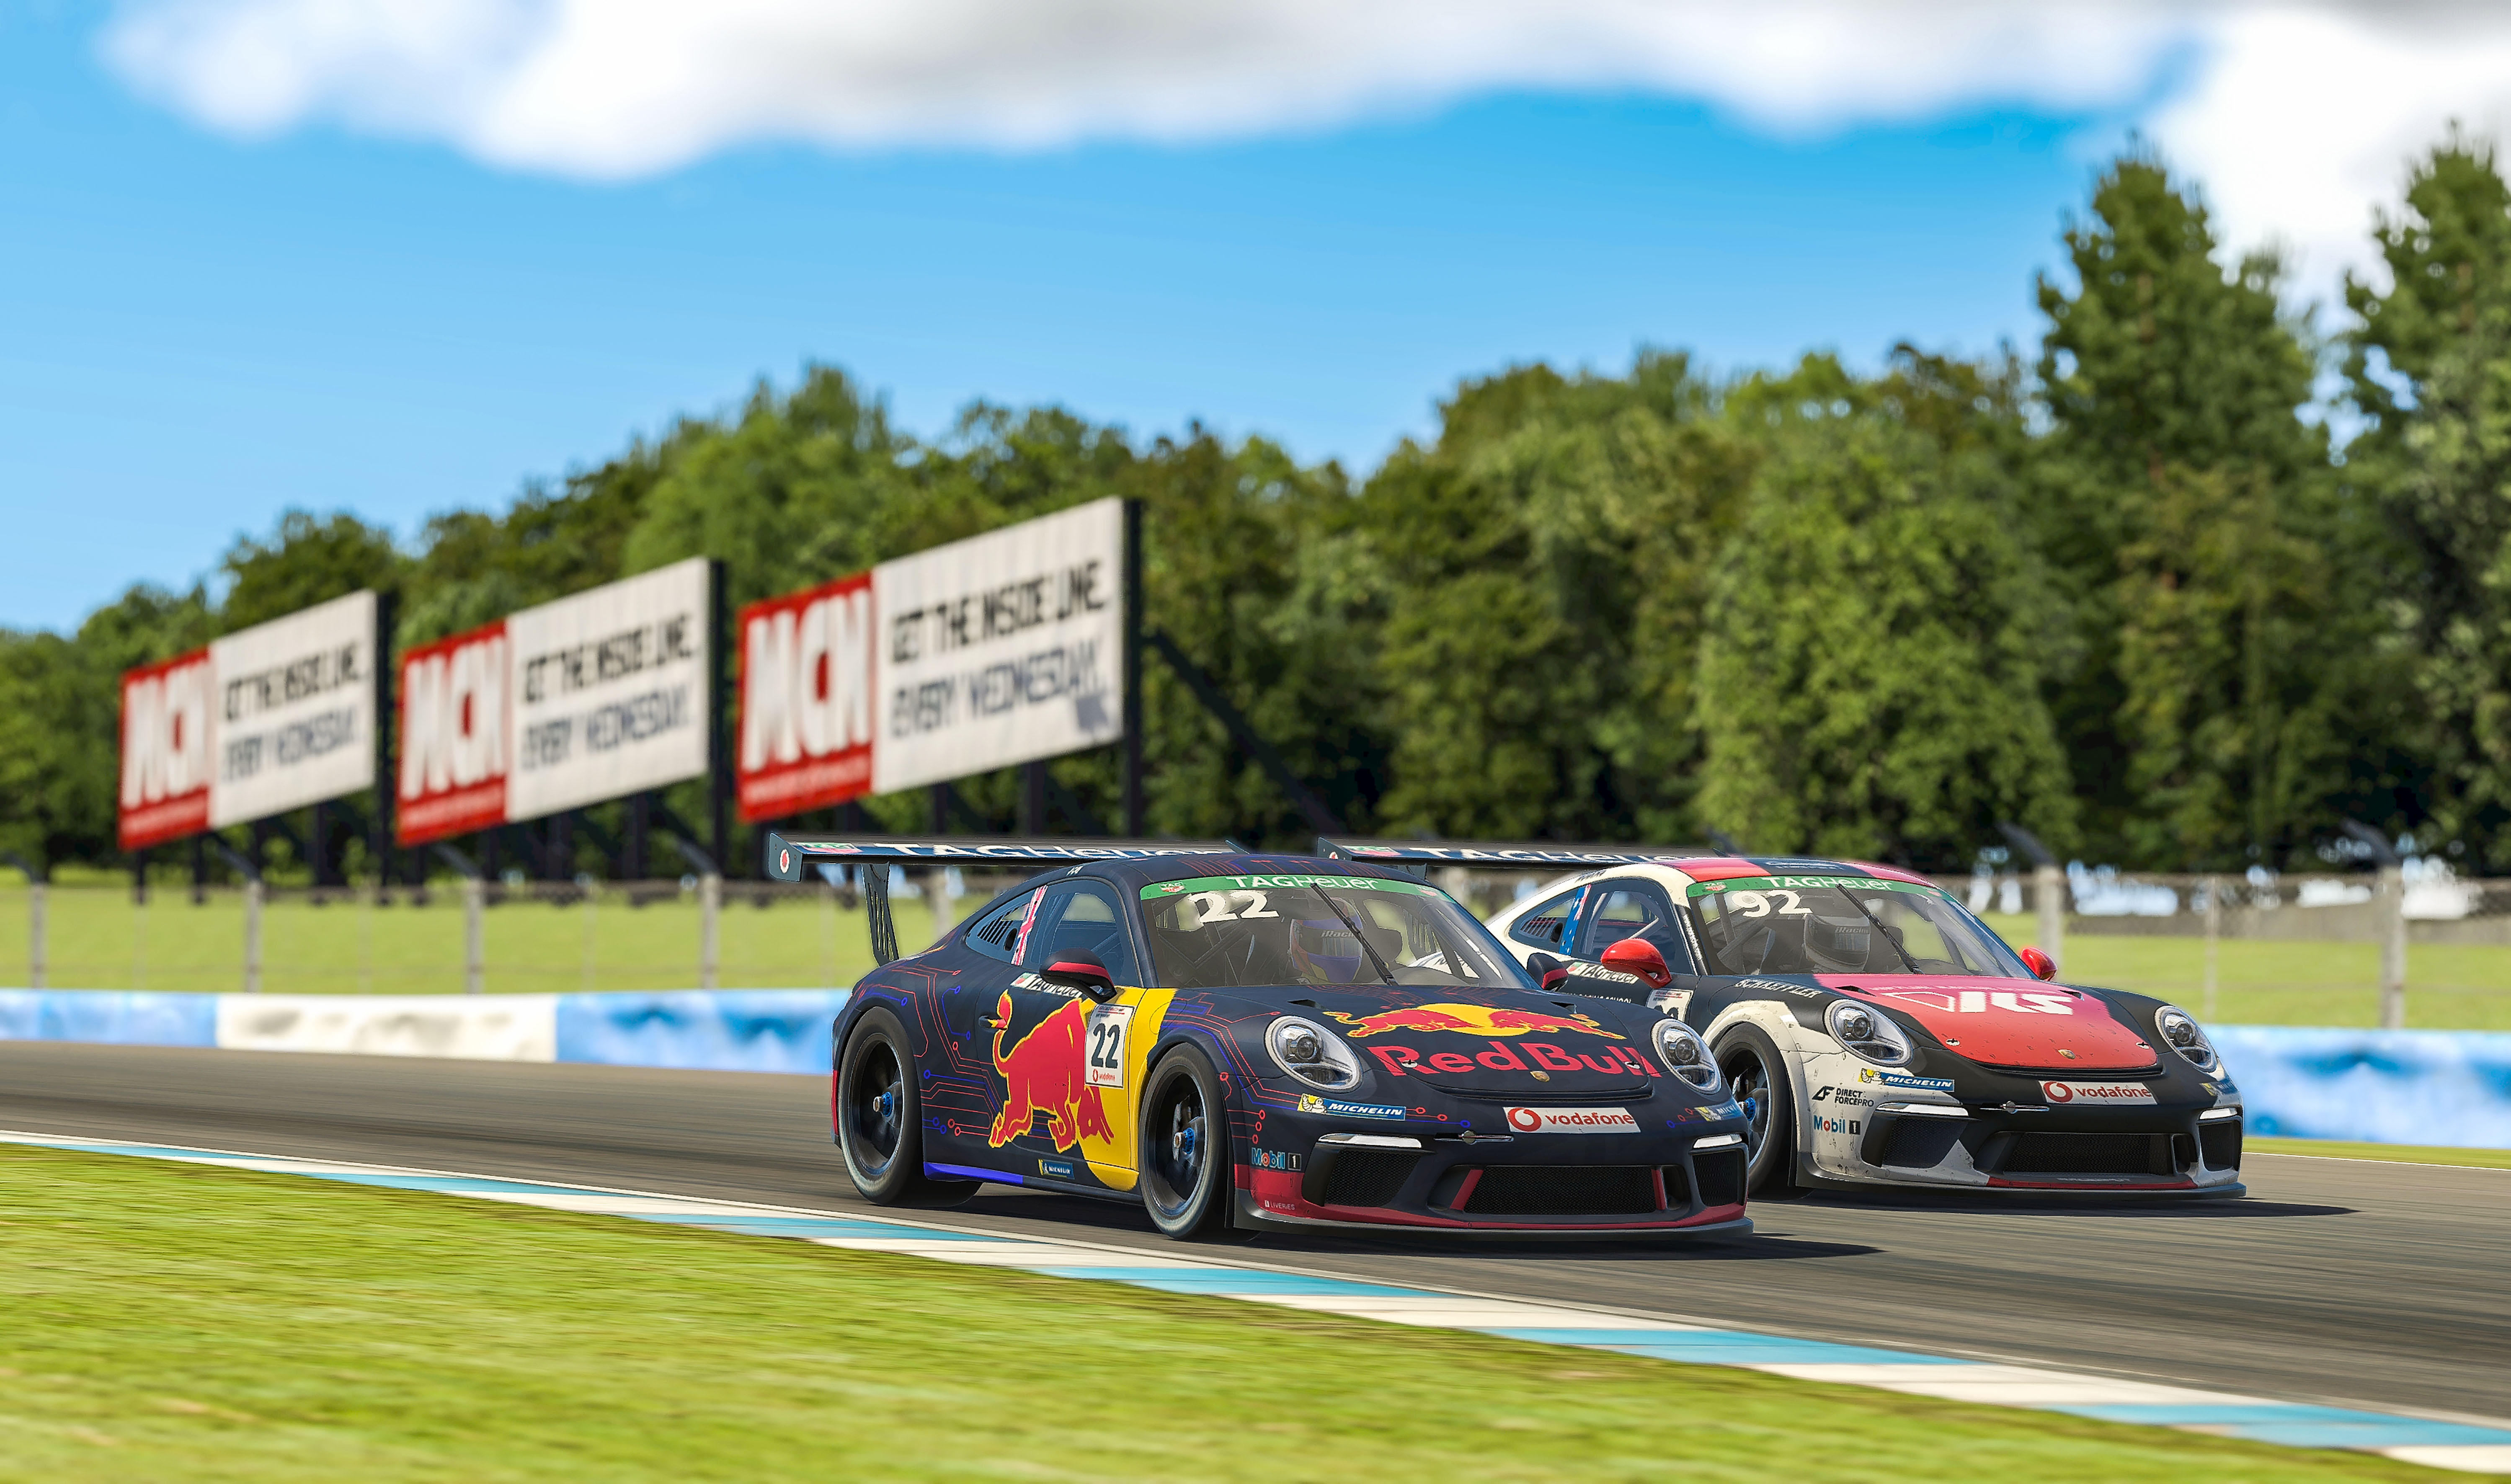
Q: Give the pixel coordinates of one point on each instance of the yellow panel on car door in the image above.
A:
(1120, 1036)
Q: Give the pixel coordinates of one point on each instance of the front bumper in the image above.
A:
(1545, 1185)
(2158, 1149)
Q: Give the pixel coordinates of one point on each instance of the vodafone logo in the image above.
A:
(1572, 1120)
(784, 860)
(2061, 1094)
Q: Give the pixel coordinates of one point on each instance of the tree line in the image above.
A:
(2185, 590)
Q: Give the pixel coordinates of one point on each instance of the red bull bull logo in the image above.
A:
(1473, 1020)
(1045, 1073)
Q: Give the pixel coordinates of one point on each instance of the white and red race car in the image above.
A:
(1877, 1033)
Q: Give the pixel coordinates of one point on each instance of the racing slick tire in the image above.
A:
(1187, 1185)
(1751, 1066)
(880, 1119)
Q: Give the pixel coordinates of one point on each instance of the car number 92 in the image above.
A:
(1106, 1044)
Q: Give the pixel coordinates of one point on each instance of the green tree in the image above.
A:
(307, 560)
(1541, 569)
(2430, 365)
(2223, 581)
(1870, 675)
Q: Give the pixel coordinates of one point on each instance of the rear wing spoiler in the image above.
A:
(794, 857)
(1418, 855)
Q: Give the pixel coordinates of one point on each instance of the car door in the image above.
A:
(1051, 1057)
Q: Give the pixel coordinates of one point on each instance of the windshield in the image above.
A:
(1828, 925)
(1222, 931)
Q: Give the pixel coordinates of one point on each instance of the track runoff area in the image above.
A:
(2345, 1305)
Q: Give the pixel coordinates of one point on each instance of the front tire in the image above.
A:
(1187, 1178)
(1753, 1067)
(880, 1119)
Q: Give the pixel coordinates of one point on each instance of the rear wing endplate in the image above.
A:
(794, 857)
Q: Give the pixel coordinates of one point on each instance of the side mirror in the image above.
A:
(2040, 963)
(1546, 970)
(1083, 972)
(1638, 955)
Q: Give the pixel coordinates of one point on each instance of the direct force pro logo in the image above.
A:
(1572, 1120)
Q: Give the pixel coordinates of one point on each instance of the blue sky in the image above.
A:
(199, 330)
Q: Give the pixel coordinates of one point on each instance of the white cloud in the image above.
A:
(2297, 117)
(2299, 123)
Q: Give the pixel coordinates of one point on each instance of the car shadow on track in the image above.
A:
(1100, 1221)
(2139, 1208)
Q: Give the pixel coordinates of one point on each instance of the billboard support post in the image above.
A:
(719, 748)
(1133, 662)
(380, 841)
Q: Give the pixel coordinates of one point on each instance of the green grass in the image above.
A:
(174, 1322)
(99, 940)
(2402, 1153)
(2450, 986)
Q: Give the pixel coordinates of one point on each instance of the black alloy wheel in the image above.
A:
(1758, 1078)
(1187, 1184)
(879, 1119)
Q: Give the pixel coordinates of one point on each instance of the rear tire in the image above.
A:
(1187, 1183)
(880, 1119)
(1753, 1067)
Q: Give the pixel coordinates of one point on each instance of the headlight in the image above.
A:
(1870, 1033)
(1679, 1046)
(2181, 1032)
(1311, 1053)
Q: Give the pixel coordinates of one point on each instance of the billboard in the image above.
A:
(999, 650)
(588, 698)
(267, 720)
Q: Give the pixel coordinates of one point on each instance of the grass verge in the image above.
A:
(2401, 1154)
(174, 1322)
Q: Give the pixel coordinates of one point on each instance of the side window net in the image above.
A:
(1544, 925)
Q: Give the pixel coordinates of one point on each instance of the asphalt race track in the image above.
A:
(2338, 1281)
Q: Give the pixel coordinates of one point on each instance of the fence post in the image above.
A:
(709, 914)
(475, 948)
(34, 916)
(2214, 932)
(35, 935)
(2391, 913)
(246, 867)
(2049, 895)
(252, 935)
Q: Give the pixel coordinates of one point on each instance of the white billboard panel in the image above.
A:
(296, 710)
(609, 692)
(1001, 648)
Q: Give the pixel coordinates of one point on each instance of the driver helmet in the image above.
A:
(1327, 949)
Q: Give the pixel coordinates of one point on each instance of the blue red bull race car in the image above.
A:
(1874, 1031)
(1259, 1043)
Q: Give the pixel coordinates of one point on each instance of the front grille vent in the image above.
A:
(1919, 1144)
(1575, 1190)
(2090, 1155)
(1364, 1177)
(1720, 1174)
(2220, 1144)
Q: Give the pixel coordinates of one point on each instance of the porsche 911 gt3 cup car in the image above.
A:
(1877, 1033)
(1263, 1042)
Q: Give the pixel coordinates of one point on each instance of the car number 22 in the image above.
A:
(1106, 1060)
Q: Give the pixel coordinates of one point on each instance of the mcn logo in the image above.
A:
(807, 699)
(166, 750)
